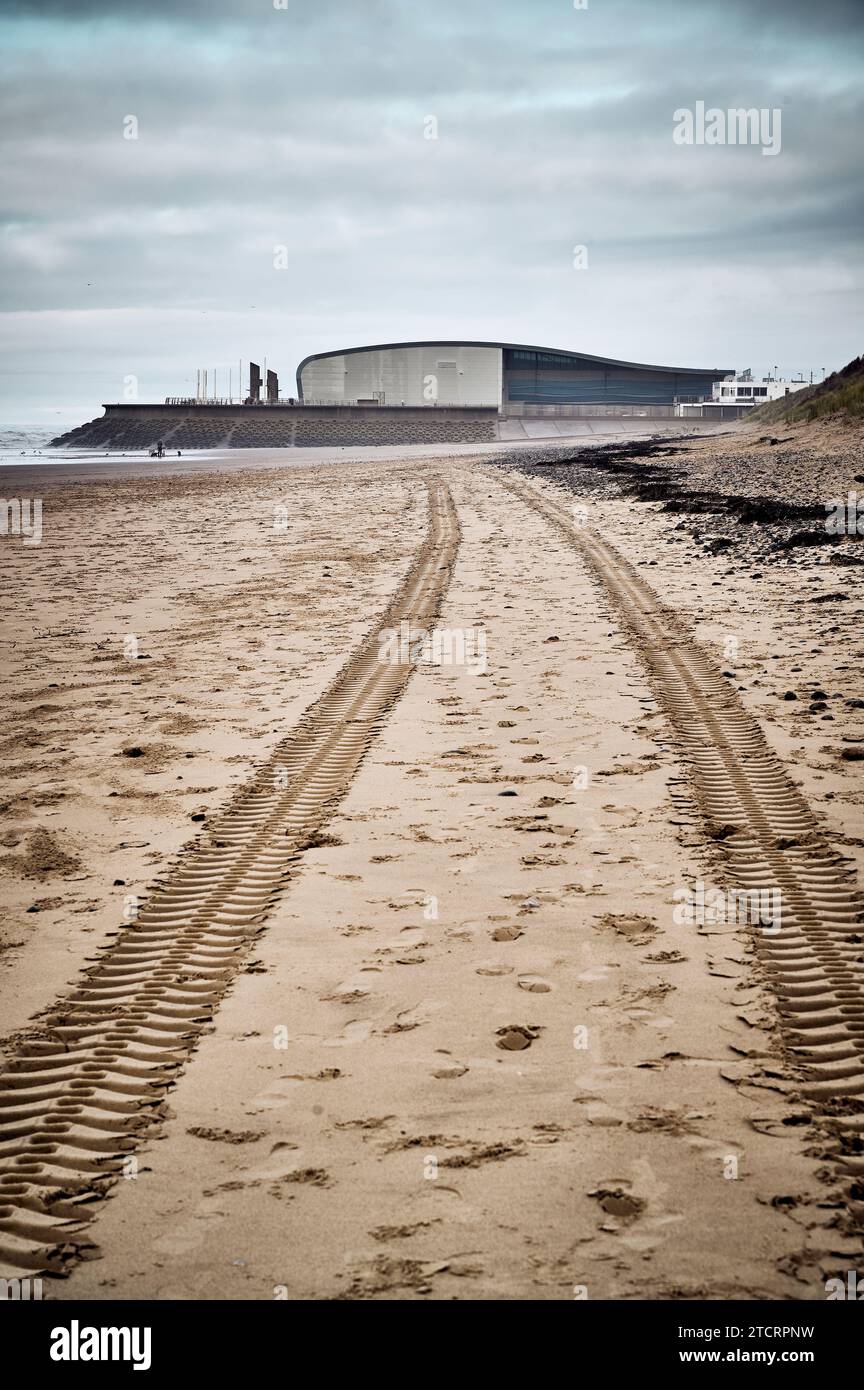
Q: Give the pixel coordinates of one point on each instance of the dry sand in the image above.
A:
(473, 1055)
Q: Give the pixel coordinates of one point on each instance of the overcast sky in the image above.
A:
(305, 127)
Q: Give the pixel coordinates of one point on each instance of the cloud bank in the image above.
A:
(307, 128)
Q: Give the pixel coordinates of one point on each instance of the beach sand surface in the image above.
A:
(472, 1054)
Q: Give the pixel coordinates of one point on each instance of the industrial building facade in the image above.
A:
(493, 374)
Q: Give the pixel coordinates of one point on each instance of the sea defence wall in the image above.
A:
(202, 425)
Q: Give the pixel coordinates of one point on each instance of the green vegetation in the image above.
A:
(841, 393)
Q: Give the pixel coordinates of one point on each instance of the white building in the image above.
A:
(741, 389)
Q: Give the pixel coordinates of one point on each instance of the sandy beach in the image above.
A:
(439, 1029)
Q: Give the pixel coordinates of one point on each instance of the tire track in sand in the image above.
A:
(85, 1083)
(770, 838)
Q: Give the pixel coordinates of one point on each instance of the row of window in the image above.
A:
(633, 390)
(744, 391)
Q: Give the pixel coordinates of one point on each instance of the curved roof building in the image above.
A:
(476, 373)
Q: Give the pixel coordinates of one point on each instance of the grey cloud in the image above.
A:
(306, 129)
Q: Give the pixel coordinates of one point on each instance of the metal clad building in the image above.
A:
(405, 374)
(499, 374)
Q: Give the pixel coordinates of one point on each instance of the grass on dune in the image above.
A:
(842, 393)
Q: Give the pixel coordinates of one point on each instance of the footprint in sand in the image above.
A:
(284, 1164)
(279, 1094)
(450, 1071)
(511, 933)
(535, 984)
(408, 936)
(350, 991)
(190, 1234)
(355, 1032)
(516, 1037)
(618, 1203)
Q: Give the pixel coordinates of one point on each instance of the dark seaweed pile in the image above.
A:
(767, 528)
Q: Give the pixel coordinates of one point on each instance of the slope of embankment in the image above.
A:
(841, 393)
